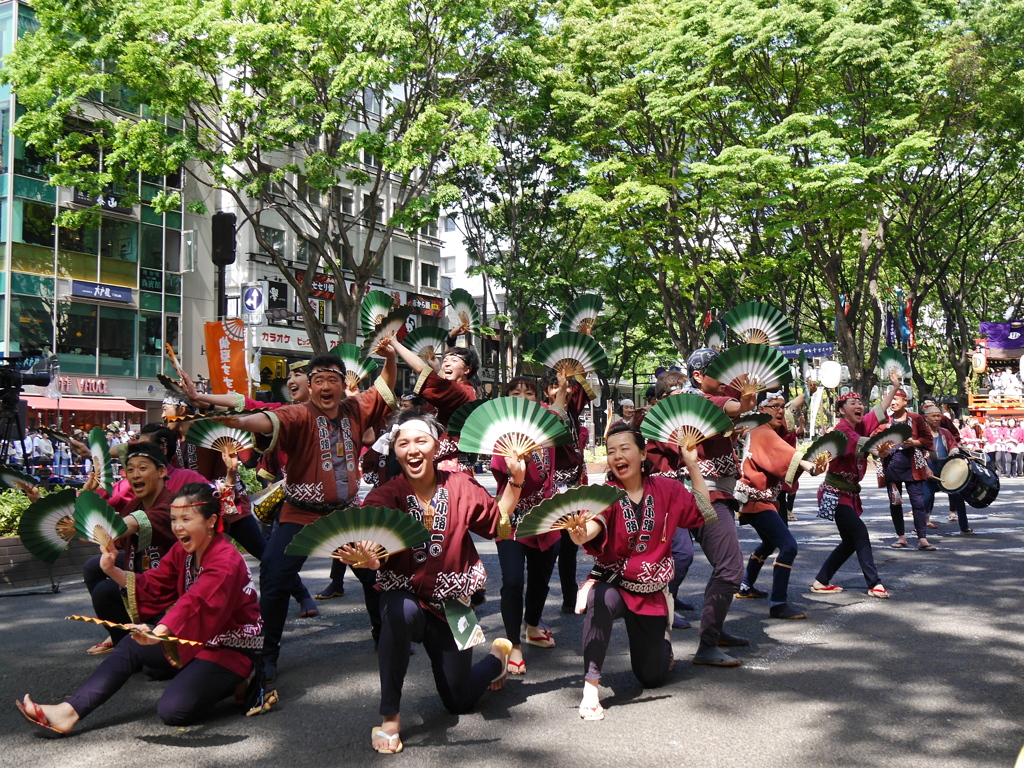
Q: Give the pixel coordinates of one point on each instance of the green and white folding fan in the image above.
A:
(97, 521)
(462, 311)
(572, 354)
(375, 307)
(890, 359)
(894, 433)
(102, 464)
(48, 525)
(219, 437)
(568, 509)
(387, 330)
(750, 421)
(831, 444)
(357, 367)
(685, 420)
(714, 336)
(511, 427)
(387, 530)
(458, 419)
(12, 478)
(758, 323)
(427, 341)
(751, 368)
(803, 366)
(582, 314)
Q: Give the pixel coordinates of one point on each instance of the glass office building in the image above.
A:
(105, 299)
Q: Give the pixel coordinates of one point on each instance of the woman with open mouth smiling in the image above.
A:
(202, 591)
(839, 493)
(631, 542)
(425, 591)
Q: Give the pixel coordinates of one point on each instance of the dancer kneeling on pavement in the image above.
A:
(425, 591)
(839, 493)
(631, 543)
(769, 462)
(202, 591)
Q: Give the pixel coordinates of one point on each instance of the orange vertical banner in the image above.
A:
(225, 352)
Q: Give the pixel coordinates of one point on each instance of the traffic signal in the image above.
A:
(223, 251)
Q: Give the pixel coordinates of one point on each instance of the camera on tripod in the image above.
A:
(12, 375)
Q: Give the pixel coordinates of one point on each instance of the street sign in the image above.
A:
(254, 303)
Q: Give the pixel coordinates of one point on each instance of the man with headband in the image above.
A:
(149, 535)
(907, 464)
(322, 440)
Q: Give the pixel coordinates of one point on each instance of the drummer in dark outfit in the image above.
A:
(943, 443)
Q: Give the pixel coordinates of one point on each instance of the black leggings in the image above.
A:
(515, 558)
(650, 652)
(915, 490)
(190, 695)
(854, 535)
(459, 681)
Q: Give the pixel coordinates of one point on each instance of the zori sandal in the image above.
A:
(391, 749)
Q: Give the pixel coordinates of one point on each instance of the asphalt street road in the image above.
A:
(932, 677)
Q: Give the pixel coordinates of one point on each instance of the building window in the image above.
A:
(346, 201)
(117, 341)
(151, 249)
(430, 228)
(274, 238)
(428, 275)
(448, 265)
(373, 208)
(450, 223)
(76, 337)
(306, 192)
(150, 344)
(402, 269)
(119, 252)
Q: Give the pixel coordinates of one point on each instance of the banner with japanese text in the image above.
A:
(225, 351)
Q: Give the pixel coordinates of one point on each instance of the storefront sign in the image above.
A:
(84, 386)
(286, 340)
(225, 347)
(100, 291)
(792, 351)
(431, 306)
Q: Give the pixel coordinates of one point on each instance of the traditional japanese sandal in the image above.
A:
(595, 712)
(543, 640)
(100, 648)
(38, 718)
(926, 548)
(899, 545)
(377, 733)
(516, 667)
(831, 589)
(878, 591)
(505, 646)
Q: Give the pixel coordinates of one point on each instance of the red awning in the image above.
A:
(95, 404)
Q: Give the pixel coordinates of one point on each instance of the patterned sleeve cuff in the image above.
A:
(560, 412)
(794, 467)
(275, 432)
(386, 393)
(591, 394)
(707, 509)
(424, 374)
(861, 443)
(239, 402)
(145, 529)
(879, 412)
(128, 595)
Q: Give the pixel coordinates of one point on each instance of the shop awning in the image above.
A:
(95, 404)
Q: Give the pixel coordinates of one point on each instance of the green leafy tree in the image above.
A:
(279, 103)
